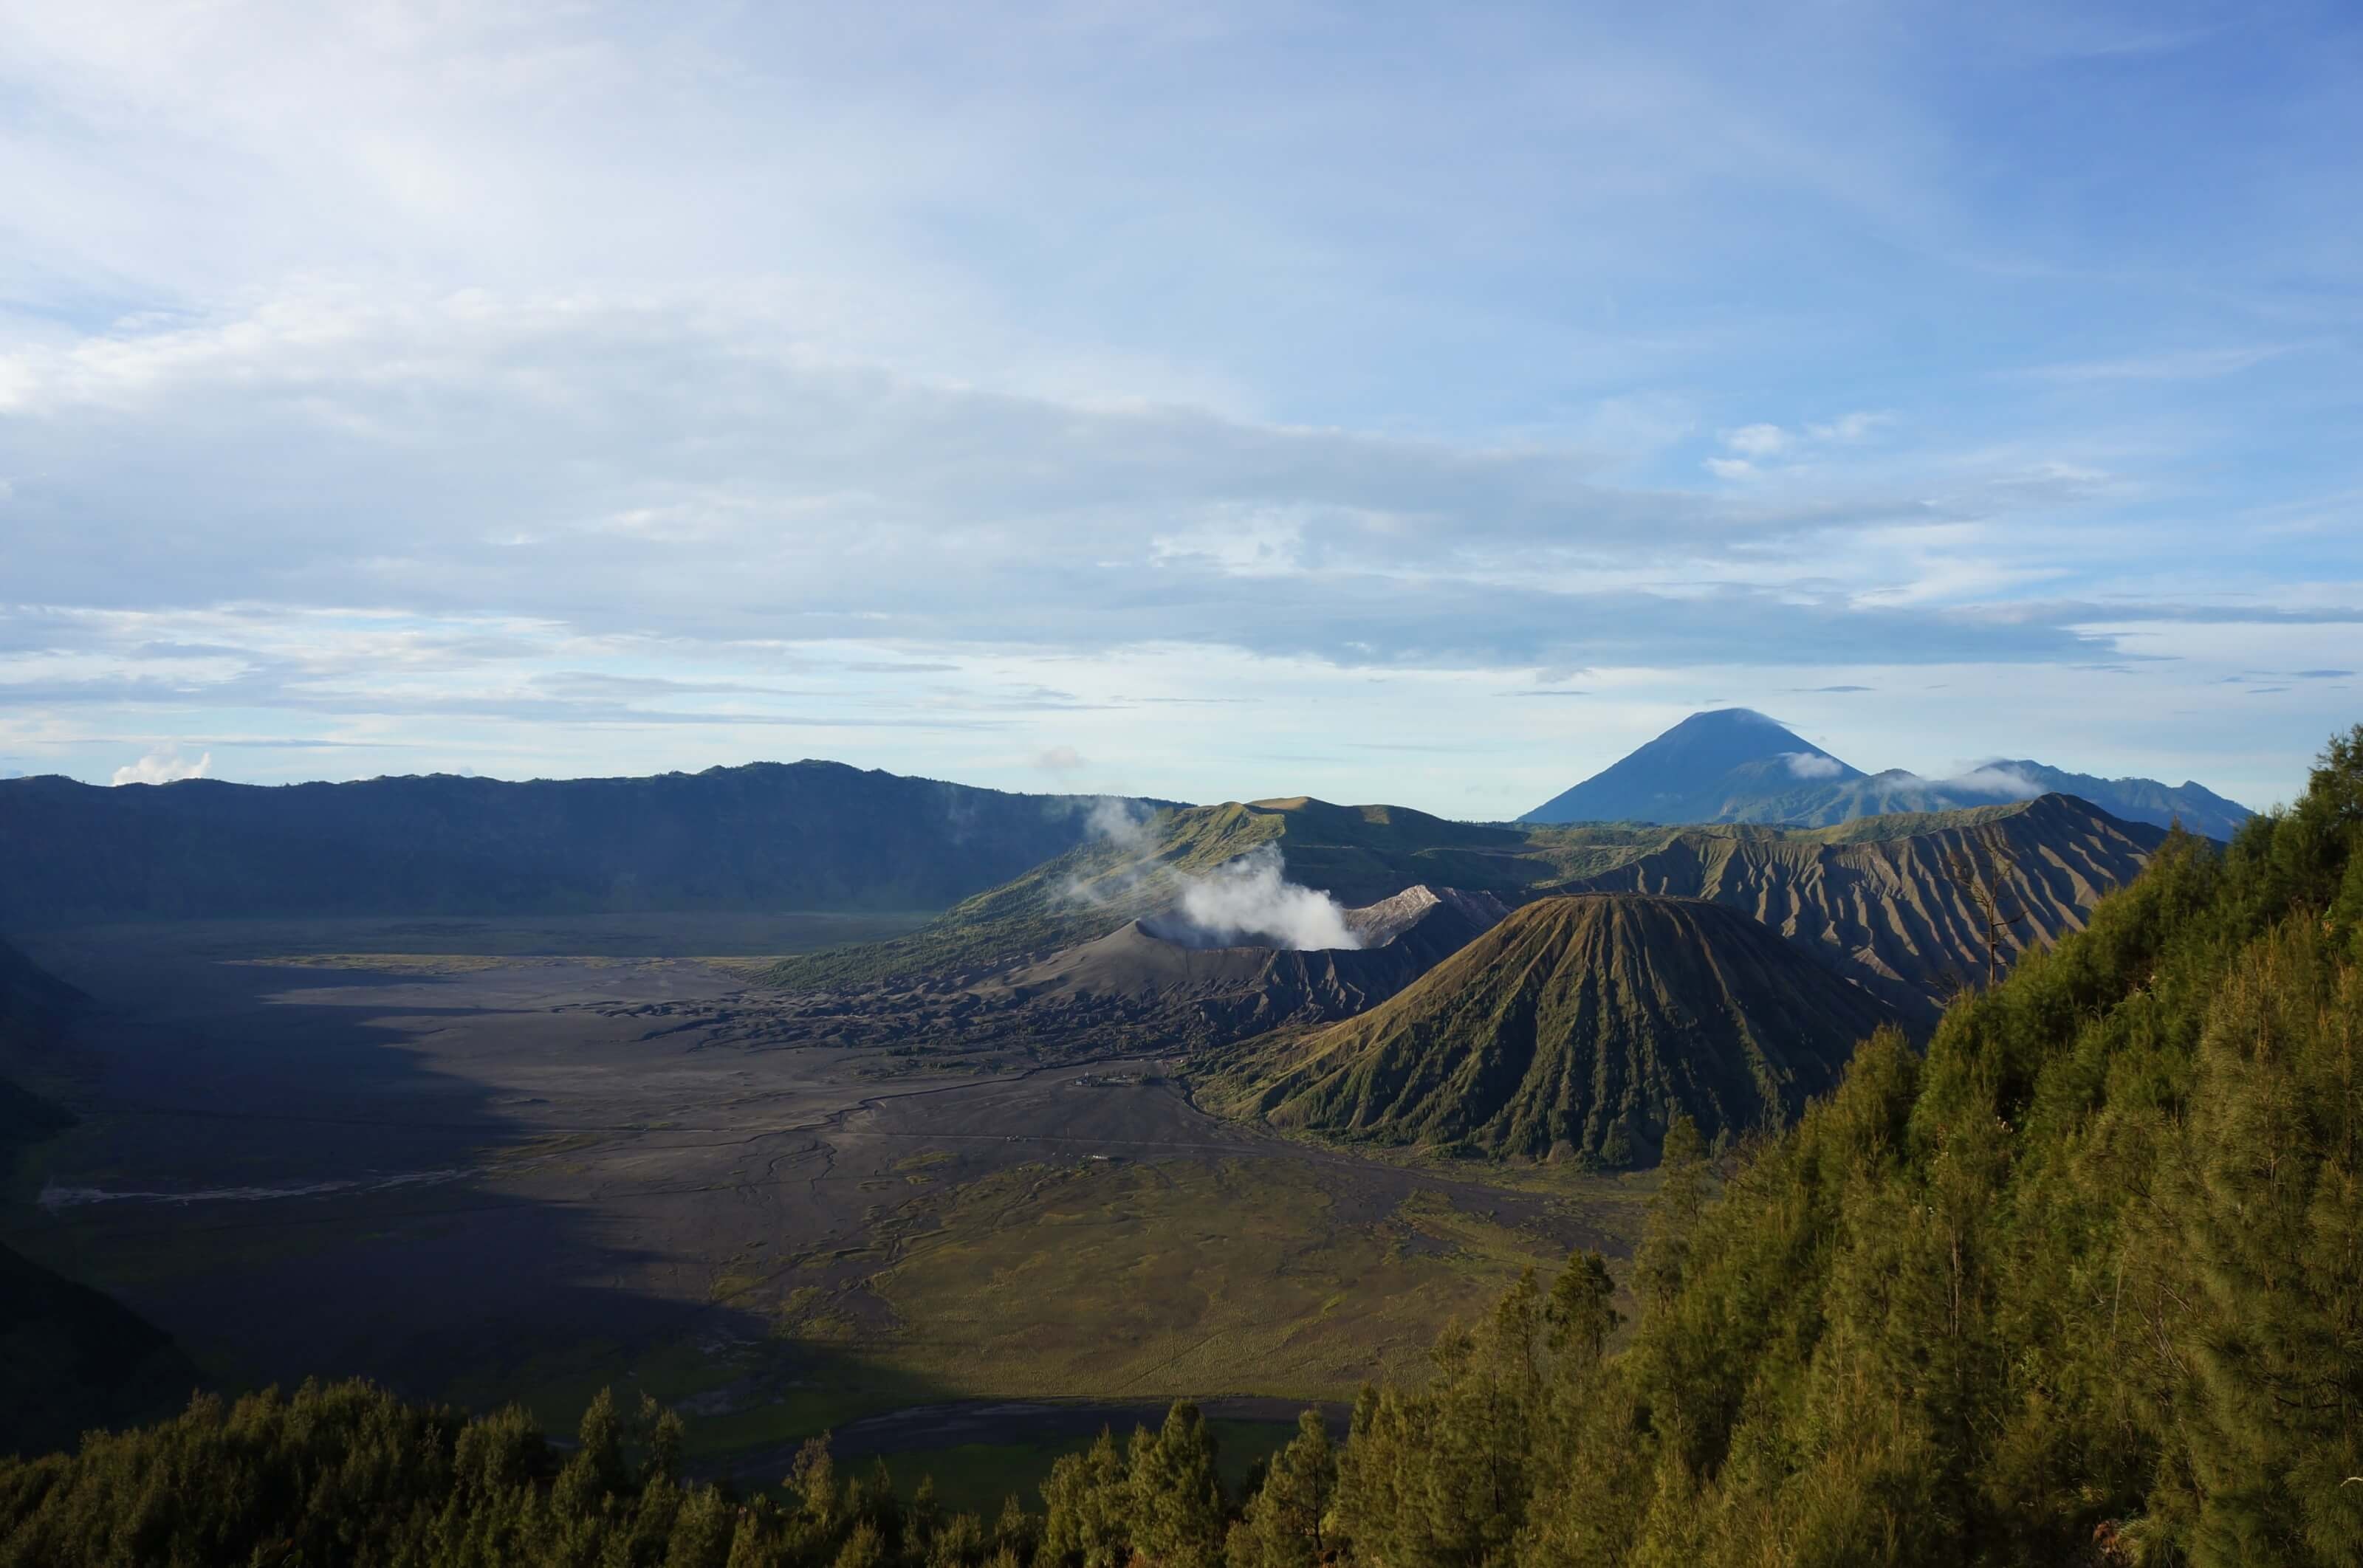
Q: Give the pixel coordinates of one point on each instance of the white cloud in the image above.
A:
(1060, 759)
(1992, 778)
(1849, 426)
(1811, 764)
(164, 765)
(482, 362)
(2184, 365)
(1759, 440)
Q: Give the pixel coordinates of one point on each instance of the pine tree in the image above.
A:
(1086, 1505)
(1286, 1523)
(1582, 1311)
(1178, 1514)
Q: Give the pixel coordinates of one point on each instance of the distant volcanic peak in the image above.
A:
(1733, 737)
(1693, 771)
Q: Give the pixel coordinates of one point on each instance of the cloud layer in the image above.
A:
(594, 389)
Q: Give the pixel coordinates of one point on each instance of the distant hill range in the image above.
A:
(1879, 900)
(1734, 765)
(805, 836)
(1357, 854)
(1577, 1027)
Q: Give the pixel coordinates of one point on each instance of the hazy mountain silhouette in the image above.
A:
(1728, 765)
(1734, 765)
(806, 835)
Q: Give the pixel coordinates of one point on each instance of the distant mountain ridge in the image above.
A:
(785, 836)
(1735, 765)
(1872, 898)
(1358, 855)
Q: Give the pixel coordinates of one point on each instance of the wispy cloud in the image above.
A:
(2183, 365)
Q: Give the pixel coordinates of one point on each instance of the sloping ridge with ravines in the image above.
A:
(1579, 1027)
(1881, 901)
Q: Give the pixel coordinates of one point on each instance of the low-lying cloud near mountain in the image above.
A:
(1811, 764)
(1992, 778)
(165, 765)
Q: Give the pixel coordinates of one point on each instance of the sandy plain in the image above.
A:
(517, 1163)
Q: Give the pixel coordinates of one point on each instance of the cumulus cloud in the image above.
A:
(1811, 764)
(1059, 759)
(164, 765)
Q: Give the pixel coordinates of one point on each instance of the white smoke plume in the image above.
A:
(1811, 764)
(1251, 897)
(1123, 824)
(1119, 821)
(164, 766)
(1248, 900)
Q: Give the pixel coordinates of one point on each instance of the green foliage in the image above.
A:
(348, 1474)
(2083, 1285)
(1287, 1522)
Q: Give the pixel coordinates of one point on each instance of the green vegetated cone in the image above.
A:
(1584, 1026)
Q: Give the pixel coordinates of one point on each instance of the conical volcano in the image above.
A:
(1577, 1027)
(1698, 771)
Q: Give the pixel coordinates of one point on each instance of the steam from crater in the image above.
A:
(1252, 897)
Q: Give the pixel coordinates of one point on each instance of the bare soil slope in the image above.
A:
(1887, 909)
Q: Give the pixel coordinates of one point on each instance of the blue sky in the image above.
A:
(1424, 405)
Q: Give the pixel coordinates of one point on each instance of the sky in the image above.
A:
(1424, 405)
